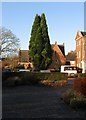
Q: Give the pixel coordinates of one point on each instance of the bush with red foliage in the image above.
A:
(80, 85)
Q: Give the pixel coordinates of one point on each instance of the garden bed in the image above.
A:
(54, 83)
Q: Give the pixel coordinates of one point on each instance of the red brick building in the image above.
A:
(81, 50)
(58, 57)
(24, 59)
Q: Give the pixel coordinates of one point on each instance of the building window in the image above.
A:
(57, 61)
(79, 54)
(55, 53)
(79, 42)
(83, 56)
(83, 43)
(77, 65)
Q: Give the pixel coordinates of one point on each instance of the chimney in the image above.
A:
(63, 44)
(55, 43)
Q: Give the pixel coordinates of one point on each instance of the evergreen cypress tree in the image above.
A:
(47, 50)
(40, 50)
(32, 44)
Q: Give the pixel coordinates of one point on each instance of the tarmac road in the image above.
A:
(37, 102)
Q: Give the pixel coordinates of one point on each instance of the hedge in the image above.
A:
(34, 77)
(81, 75)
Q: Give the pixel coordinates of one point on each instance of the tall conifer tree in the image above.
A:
(47, 50)
(40, 50)
(32, 44)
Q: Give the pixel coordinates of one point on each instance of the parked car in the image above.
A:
(71, 70)
(23, 70)
(6, 70)
(45, 71)
(55, 70)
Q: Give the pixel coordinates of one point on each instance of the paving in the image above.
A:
(37, 101)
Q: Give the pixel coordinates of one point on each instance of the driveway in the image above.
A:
(37, 102)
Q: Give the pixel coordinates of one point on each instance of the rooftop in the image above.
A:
(83, 33)
(61, 47)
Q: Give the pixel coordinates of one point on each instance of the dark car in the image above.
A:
(6, 70)
(79, 70)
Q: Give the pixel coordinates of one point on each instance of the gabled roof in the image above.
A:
(23, 54)
(62, 49)
(79, 35)
(83, 33)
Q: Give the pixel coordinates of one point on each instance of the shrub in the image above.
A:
(33, 77)
(54, 83)
(74, 99)
(78, 102)
(81, 75)
(69, 94)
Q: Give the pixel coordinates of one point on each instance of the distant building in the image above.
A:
(71, 58)
(24, 59)
(58, 57)
(81, 50)
(73, 63)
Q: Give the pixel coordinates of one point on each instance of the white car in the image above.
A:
(71, 70)
(45, 71)
(23, 70)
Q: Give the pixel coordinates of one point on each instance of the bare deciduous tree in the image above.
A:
(9, 43)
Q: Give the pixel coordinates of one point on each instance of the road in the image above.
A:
(37, 101)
